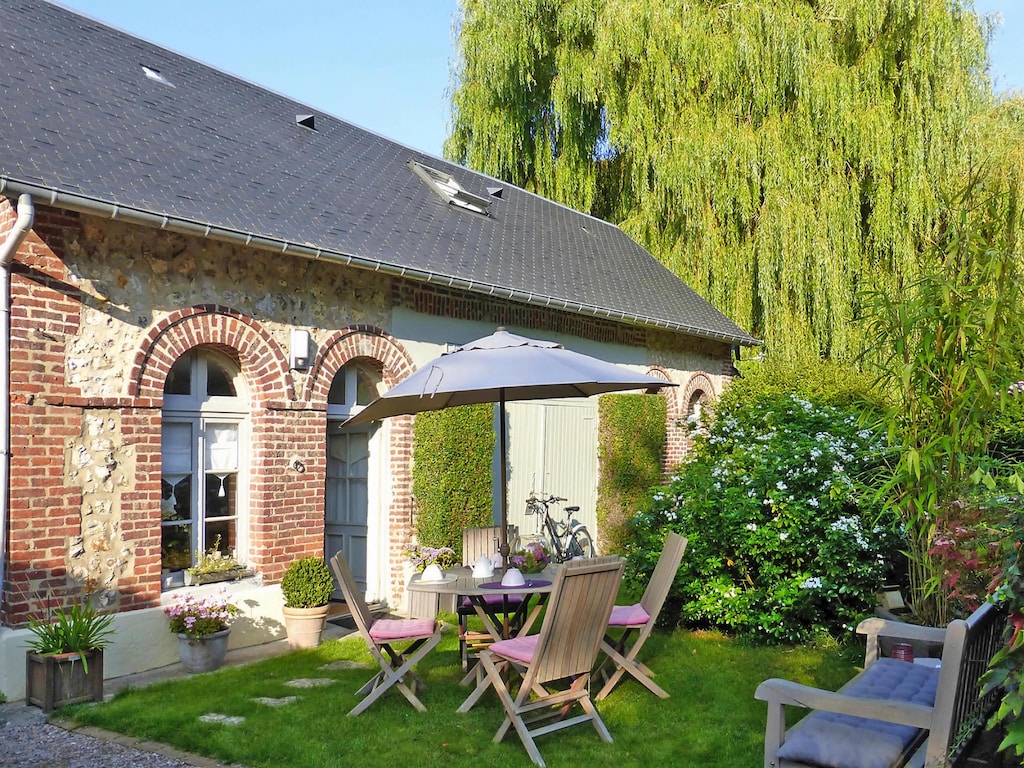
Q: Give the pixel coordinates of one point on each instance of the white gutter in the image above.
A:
(26, 215)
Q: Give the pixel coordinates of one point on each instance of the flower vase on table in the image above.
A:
(202, 627)
(533, 559)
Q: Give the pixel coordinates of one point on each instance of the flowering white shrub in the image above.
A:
(785, 540)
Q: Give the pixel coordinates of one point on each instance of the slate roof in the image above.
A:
(83, 124)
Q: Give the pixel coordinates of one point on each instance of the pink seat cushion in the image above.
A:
(517, 648)
(384, 630)
(628, 616)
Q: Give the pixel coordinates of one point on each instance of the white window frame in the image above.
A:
(204, 413)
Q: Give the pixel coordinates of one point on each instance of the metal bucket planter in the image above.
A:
(204, 653)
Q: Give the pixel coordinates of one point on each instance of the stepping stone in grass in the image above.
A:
(271, 702)
(213, 717)
(345, 664)
(310, 682)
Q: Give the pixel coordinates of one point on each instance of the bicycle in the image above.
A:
(565, 540)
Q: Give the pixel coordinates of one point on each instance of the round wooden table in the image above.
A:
(499, 617)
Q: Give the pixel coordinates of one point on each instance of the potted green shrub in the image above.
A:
(307, 587)
(65, 662)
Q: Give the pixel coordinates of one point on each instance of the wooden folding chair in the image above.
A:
(639, 619)
(381, 635)
(505, 610)
(562, 654)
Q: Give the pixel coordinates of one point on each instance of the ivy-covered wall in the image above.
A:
(451, 476)
(631, 446)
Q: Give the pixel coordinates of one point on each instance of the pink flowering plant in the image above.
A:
(199, 616)
(421, 557)
(533, 559)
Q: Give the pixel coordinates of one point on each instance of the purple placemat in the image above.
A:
(529, 583)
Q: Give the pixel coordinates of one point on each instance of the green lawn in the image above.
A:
(711, 718)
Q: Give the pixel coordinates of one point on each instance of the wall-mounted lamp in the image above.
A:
(299, 353)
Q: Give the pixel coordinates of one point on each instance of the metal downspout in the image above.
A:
(26, 215)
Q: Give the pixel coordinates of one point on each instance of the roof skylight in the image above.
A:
(154, 74)
(449, 189)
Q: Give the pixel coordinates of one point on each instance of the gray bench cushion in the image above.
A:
(832, 740)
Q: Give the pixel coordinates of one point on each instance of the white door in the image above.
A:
(553, 450)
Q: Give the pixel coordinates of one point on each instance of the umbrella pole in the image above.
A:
(503, 469)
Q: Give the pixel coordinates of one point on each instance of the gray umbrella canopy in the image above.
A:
(499, 368)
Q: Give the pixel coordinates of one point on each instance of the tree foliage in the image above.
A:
(778, 155)
(953, 343)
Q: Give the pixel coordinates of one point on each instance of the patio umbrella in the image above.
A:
(499, 368)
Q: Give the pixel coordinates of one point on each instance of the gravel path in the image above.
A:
(30, 742)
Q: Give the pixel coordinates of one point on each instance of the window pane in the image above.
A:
(222, 447)
(226, 530)
(337, 394)
(179, 380)
(176, 547)
(176, 498)
(176, 450)
(220, 496)
(219, 383)
(367, 385)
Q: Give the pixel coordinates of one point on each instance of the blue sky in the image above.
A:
(384, 64)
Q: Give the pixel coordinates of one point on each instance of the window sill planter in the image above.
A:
(58, 679)
(195, 579)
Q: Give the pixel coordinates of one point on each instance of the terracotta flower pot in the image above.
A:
(304, 625)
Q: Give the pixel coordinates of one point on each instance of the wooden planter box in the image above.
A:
(55, 680)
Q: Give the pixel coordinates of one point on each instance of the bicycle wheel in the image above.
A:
(580, 544)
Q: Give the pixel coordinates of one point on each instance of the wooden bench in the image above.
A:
(916, 715)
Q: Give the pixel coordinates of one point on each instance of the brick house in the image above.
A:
(206, 278)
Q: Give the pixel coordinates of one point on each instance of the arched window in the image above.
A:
(354, 387)
(203, 451)
(695, 406)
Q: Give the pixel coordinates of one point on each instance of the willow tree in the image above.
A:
(780, 156)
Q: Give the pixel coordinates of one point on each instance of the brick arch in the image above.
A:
(679, 438)
(358, 341)
(260, 357)
(699, 382)
(671, 394)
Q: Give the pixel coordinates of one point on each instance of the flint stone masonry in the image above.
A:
(130, 278)
(104, 467)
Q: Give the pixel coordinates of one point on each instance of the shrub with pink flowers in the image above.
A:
(197, 616)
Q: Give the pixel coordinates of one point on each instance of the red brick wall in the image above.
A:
(366, 343)
(449, 302)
